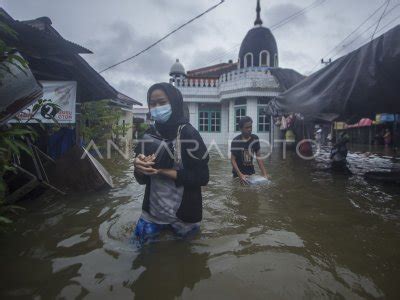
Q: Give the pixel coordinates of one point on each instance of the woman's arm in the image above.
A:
(196, 175)
(195, 172)
(170, 173)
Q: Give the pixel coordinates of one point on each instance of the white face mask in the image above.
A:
(162, 113)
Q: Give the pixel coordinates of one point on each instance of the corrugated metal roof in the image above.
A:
(52, 57)
(43, 24)
(213, 71)
(40, 34)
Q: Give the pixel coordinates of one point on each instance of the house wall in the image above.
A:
(193, 114)
(227, 122)
(249, 83)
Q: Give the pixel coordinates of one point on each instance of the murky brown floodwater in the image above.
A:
(309, 235)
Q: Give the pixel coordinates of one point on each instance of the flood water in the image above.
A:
(310, 234)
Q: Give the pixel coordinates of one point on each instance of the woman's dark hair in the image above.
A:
(244, 120)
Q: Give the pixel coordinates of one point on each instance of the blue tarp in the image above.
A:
(385, 118)
(60, 142)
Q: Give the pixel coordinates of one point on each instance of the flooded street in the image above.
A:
(310, 234)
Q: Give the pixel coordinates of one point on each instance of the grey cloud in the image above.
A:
(292, 58)
(204, 58)
(279, 12)
(133, 87)
(184, 37)
(116, 30)
(132, 78)
(121, 41)
(177, 5)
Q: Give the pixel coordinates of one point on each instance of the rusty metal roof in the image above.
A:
(51, 57)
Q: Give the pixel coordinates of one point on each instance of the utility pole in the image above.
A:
(326, 62)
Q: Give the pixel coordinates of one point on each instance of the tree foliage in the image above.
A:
(99, 122)
(13, 137)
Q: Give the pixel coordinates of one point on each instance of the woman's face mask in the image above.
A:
(162, 113)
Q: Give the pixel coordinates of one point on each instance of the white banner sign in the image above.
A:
(62, 93)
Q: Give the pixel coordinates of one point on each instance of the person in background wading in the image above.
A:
(243, 148)
(339, 153)
(173, 198)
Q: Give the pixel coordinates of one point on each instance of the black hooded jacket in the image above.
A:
(194, 173)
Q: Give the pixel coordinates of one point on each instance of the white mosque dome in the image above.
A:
(177, 69)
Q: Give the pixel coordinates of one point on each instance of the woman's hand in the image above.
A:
(144, 164)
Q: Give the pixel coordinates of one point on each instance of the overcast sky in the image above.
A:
(117, 29)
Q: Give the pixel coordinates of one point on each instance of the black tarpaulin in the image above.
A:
(286, 77)
(360, 84)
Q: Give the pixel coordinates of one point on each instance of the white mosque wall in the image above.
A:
(252, 112)
(227, 122)
(193, 114)
(248, 82)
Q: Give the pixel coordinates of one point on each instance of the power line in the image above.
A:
(280, 23)
(388, 24)
(164, 37)
(380, 19)
(215, 58)
(366, 30)
(379, 31)
(354, 31)
(275, 26)
(297, 14)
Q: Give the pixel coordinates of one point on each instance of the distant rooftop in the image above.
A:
(213, 71)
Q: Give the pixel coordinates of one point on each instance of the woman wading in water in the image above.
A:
(172, 198)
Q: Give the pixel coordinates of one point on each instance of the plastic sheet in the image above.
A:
(257, 180)
(360, 84)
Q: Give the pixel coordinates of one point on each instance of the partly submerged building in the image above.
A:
(58, 73)
(218, 96)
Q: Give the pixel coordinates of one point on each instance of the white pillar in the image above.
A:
(231, 117)
(251, 111)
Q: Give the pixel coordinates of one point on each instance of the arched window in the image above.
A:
(264, 58)
(248, 60)
(276, 61)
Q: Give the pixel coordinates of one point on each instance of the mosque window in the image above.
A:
(264, 58)
(215, 121)
(276, 61)
(240, 112)
(248, 60)
(203, 121)
(263, 120)
(210, 119)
